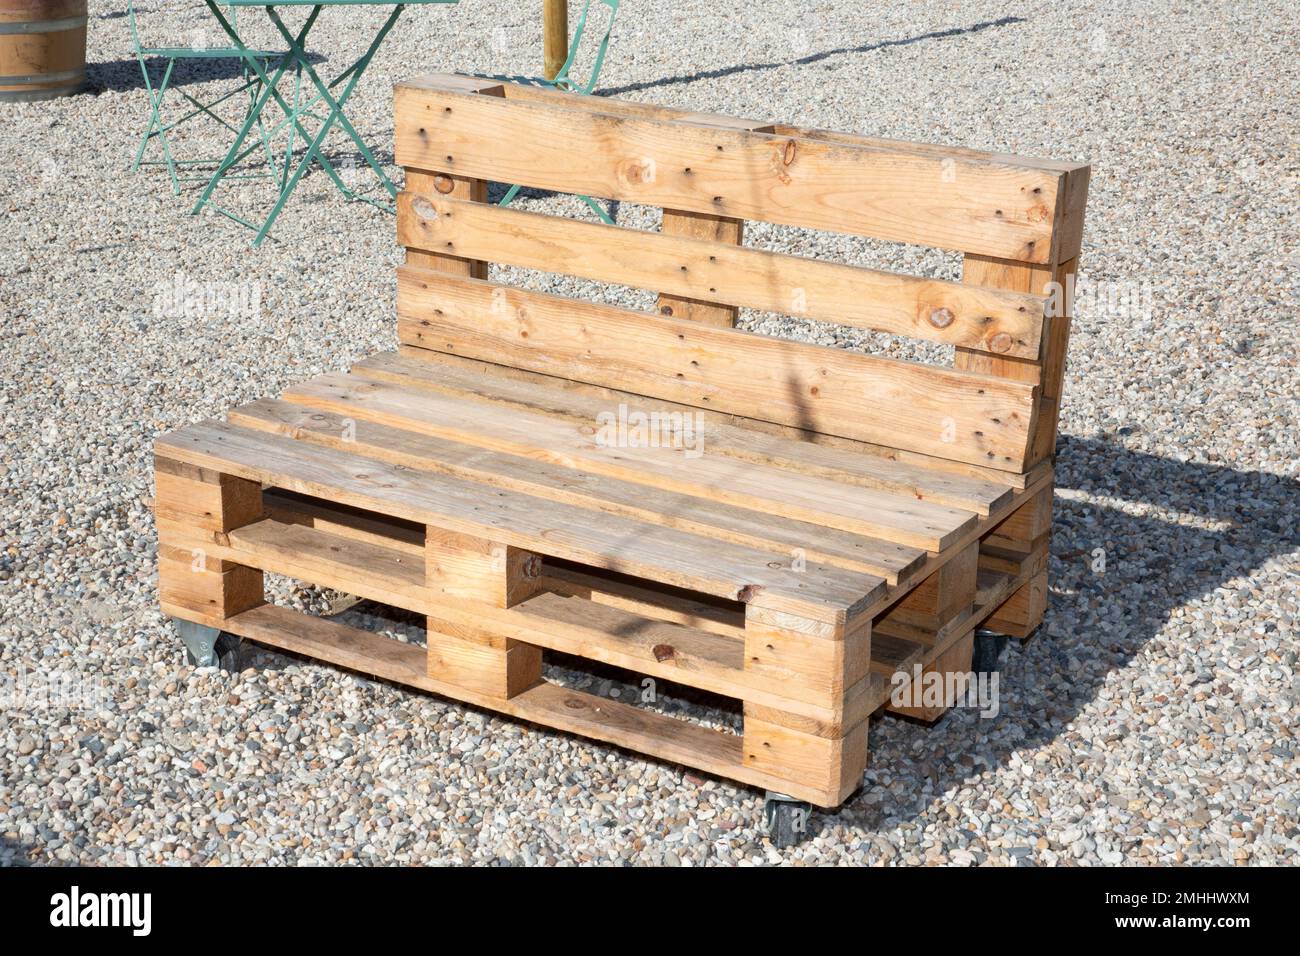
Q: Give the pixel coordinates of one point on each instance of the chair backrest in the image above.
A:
(1018, 221)
(174, 39)
(563, 77)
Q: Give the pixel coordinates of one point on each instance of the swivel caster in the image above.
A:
(785, 819)
(989, 648)
(208, 647)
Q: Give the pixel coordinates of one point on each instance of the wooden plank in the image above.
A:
(341, 520)
(646, 598)
(609, 721)
(355, 567)
(592, 103)
(561, 398)
(967, 417)
(929, 149)
(661, 554)
(600, 492)
(955, 201)
(862, 511)
(932, 309)
(670, 652)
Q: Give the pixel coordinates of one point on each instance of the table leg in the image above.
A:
(336, 113)
(336, 107)
(270, 91)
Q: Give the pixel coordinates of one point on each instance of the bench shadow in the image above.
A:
(1152, 566)
(683, 78)
(13, 853)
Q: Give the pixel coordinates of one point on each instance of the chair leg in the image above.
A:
(155, 127)
(598, 210)
(254, 90)
(162, 130)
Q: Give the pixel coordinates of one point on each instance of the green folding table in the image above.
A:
(297, 59)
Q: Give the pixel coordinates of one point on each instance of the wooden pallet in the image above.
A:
(846, 521)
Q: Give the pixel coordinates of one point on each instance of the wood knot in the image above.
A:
(664, 652)
(634, 172)
(423, 208)
(1001, 342)
(791, 147)
(443, 184)
(532, 566)
(941, 318)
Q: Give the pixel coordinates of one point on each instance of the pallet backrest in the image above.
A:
(1018, 222)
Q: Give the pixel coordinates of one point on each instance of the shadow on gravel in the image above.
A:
(13, 853)
(123, 75)
(1098, 622)
(683, 78)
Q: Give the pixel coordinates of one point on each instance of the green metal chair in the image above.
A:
(250, 84)
(564, 81)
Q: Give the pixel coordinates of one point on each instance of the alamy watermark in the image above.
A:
(952, 689)
(633, 428)
(1101, 298)
(185, 297)
(74, 909)
(51, 690)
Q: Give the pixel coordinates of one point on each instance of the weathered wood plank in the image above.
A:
(936, 310)
(585, 446)
(561, 398)
(967, 417)
(954, 201)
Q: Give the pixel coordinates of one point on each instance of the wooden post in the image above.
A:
(1024, 610)
(695, 225)
(499, 576)
(555, 36)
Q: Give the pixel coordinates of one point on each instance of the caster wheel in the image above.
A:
(989, 648)
(786, 820)
(227, 653)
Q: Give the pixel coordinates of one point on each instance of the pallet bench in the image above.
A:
(796, 527)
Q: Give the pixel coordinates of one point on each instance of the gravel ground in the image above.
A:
(1152, 719)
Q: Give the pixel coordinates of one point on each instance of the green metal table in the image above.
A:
(298, 60)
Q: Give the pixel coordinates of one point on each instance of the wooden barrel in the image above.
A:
(42, 48)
